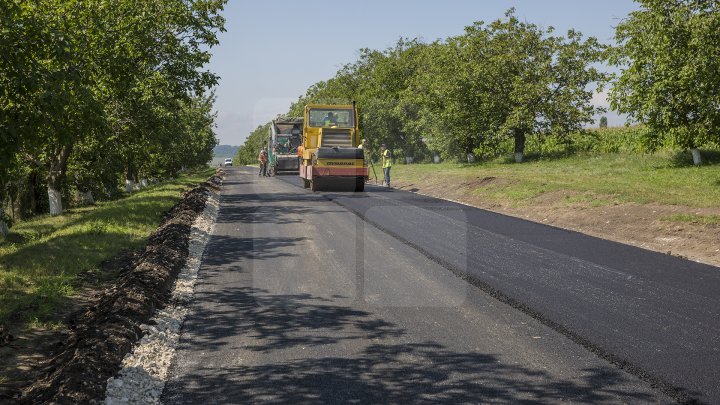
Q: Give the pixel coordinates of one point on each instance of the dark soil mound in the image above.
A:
(104, 333)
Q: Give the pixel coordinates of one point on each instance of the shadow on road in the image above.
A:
(274, 322)
(269, 214)
(271, 197)
(263, 208)
(243, 344)
(418, 373)
(226, 250)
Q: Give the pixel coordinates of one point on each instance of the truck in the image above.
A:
(285, 138)
(330, 156)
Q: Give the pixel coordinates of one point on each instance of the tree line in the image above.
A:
(94, 94)
(502, 83)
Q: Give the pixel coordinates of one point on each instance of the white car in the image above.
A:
(228, 162)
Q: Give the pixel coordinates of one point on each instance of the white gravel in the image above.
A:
(145, 369)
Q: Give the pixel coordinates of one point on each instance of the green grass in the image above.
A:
(41, 259)
(598, 179)
(695, 219)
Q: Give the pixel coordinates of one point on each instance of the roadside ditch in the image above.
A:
(103, 334)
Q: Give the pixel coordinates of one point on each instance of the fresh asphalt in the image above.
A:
(389, 297)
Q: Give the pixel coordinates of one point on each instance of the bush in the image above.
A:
(636, 139)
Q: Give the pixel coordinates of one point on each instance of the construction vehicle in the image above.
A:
(285, 137)
(330, 154)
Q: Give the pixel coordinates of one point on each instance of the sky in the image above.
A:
(274, 50)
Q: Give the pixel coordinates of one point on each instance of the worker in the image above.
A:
(329, 119)
(386, 160)
(262, 158)
(300, 150)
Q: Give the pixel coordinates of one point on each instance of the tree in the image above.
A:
(70, 106)
(668, 56)
(248, 152)
(386, 111)
(509, 78)
(603, 122)
(453, 94)
(376, 81)
(103, 82)
(504, 79)
(17, 71)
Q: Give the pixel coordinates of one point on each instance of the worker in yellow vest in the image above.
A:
(386, 160)
(330, 120)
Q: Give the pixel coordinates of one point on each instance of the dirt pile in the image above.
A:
(101, 335)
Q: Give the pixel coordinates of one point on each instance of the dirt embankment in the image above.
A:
(649, 226)
(100, 335)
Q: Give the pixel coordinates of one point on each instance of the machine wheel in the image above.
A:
(306, 183)
(315, 185)
(360, 184)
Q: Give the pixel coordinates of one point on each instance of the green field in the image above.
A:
(661, 178)
(41, 260)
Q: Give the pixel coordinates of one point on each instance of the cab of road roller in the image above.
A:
(330, 157)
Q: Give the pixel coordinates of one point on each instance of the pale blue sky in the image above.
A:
(264, 66)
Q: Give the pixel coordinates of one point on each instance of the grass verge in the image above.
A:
(694, 219)
(595, 179)
(42, 260)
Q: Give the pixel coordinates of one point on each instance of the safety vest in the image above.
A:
(386, 159)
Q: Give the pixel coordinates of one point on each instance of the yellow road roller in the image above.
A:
(330, 157)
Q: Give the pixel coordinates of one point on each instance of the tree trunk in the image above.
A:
(87, 198)
(56, 174)
(519, 145)
(697, 159)
(3, 226)
(136, 181)
(130, 180)
(32, 190)
(55, 199)
(12, 205)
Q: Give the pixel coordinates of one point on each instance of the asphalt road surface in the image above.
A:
(393, 297)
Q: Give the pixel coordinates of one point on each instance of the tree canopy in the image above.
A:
(669, 55)
(508, 82)
(466, 94)
(248, 152)
(103, 90)
(508, 79)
